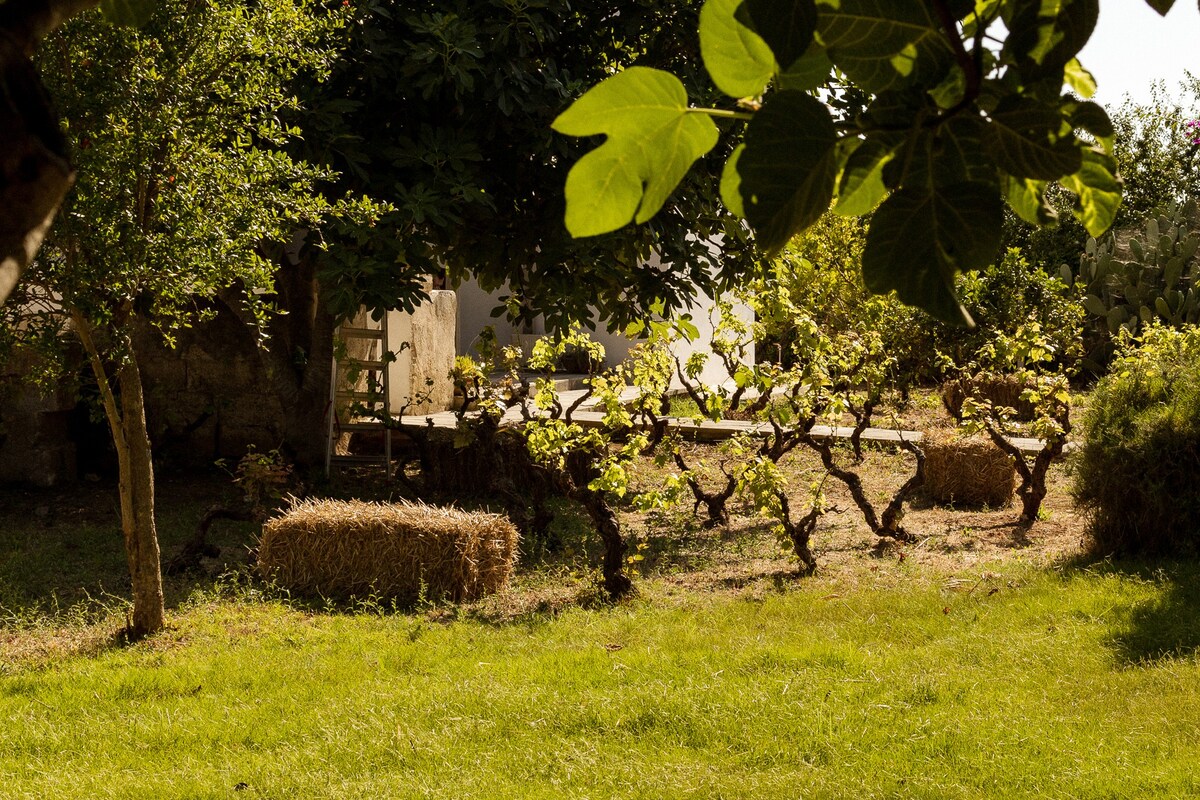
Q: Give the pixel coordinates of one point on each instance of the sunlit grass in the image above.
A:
(1015, 683)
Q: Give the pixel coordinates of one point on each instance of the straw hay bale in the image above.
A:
(999, 390)
(968, 471)
(398, 550)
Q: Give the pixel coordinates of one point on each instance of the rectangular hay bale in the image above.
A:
(970, 471)
(404, 551)
(999, 390)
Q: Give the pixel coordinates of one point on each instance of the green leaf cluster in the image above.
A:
(1135, 473)
(178, 131)
(965, 107)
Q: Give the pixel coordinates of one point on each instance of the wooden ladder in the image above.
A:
(363, 401)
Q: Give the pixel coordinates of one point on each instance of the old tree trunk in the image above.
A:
(125, 410)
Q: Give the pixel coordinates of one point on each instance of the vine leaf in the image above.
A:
(739, 62)
(653, 139)
(919, 238)
(788, 168)
(1161, 6)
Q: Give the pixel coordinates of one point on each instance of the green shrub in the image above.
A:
(1136, 474)
(1006, 298)
(821, 272)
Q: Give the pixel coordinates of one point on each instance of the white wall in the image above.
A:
(424, 344)
(475, 305)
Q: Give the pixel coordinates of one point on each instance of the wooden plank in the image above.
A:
(361, 333)
(709, 431)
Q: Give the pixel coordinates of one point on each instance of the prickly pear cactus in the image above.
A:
(1160, 281)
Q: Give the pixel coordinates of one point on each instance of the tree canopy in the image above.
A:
(443, 110)
(931, 115)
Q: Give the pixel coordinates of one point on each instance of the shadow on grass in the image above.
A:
(62, 551)
(1164, 628)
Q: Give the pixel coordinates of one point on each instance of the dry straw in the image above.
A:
(967, 471)
(405, 551)
(999, 390)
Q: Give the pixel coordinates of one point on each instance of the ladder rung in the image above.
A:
(361, 333)
(359, 426)
(351, 459)
(373, 397)
(361, 363)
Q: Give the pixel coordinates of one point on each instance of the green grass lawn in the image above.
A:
(879, 677)
(1075, 684)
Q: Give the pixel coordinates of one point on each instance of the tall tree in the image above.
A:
(176, 130)
(443, 108)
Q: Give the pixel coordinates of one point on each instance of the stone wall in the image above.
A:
(206, 397)
(36, 444)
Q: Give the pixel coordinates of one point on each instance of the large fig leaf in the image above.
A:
(920, 238)
(1161, 6)
(787, 169)
(1097, 189)
(786, 25)
(809, 71)
(1027, 198)
(1047, 34)
(885, 44)
(951, 153)
(653, 139)
(739, 62)
(862, 187)
(731, 183)
(1093, 119)
(1025, 139)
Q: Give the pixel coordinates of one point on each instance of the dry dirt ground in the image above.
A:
(942, 535)
(73, 537)
(675, 554)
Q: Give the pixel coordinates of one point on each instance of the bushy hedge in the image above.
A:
(1138, 472)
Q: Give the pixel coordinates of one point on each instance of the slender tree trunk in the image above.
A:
(127, 420)
(137, 505)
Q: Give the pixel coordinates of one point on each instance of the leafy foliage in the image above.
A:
(954, 123)
(1026, 316)
(177, 131)
(442, 110)
(178, 188)
(1136, 472)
